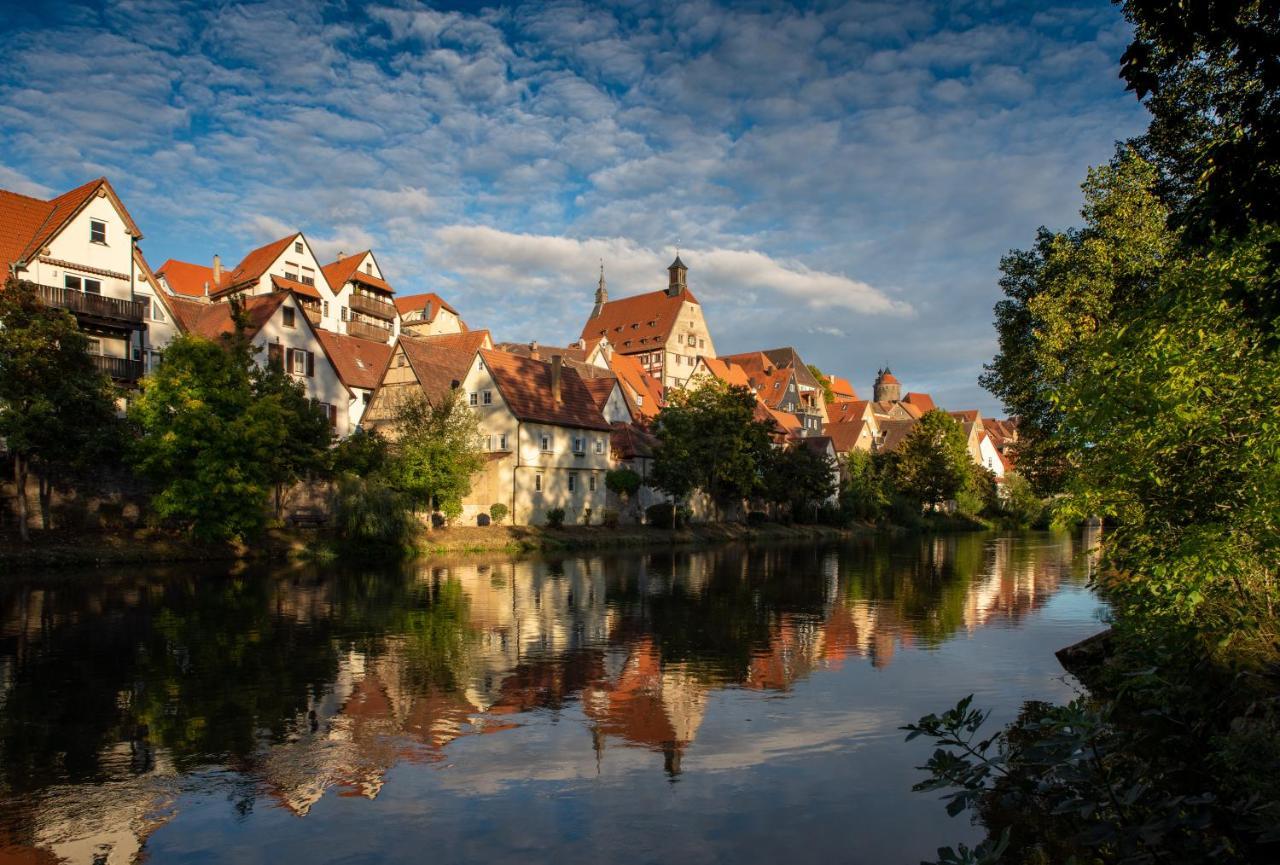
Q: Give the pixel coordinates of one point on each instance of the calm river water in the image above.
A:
(731, 705)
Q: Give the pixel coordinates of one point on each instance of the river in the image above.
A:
(727, 705)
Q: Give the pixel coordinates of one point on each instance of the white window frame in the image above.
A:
(502, 441)
(599, 446)
(579, 444)
(545, 444)
(98, 227)
(473, 398)
(487, 397)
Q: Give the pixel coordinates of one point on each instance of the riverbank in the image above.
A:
(61, 549)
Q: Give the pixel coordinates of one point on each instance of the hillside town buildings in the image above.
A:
(553, 419)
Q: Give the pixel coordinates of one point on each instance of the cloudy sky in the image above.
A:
(841, 177)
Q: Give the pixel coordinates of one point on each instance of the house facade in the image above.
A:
(664, 330)
(365, 300)
(428, 315)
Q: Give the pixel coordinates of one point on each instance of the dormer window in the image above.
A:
(97, 231)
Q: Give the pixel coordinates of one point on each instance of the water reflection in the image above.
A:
(121, 694)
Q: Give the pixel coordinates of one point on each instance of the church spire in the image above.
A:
(677, 273)
(602, 293)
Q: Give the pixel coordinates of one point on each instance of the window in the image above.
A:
(502, 441)
(346, 314)
(599, 446)
(71, 282)
(473, 398)
(308, 276)
(299, 362)
(291, 270)
(325, 308)
(94, 345)
(573, 483)
(288, 316)
(97, 231)
(153, 360)
(368, 267)
(297, 246)
(537, 483)
(579, 444)
(146, 306)
(488, 397)
(591, 483)
(546, 443)
(702, 343)
(92, 286)
(157, 312)
(275, 355)
(488, 443)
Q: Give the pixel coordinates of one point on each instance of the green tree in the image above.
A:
(862, 491)
(827, 392)
(932, 464)
(57, 411)
(800, 478)
(436, 451)
(363, 453)
(307, 434)
(1064, 289)
(205, 440)
(709, 439)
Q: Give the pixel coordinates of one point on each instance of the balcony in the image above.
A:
(373, 306)
(313, 314)
(109, 311)
(119, 368)
(365, 330)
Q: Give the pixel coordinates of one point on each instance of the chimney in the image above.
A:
(206, 288)
(533, 350)
(341, 255)
(556, 363)
(217, 269)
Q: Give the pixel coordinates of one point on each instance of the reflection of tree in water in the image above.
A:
(307, 679)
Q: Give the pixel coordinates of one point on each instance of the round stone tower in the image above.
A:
(887, 387)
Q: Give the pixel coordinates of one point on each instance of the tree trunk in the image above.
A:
(20, 483)
(279, 499)
(46, 497)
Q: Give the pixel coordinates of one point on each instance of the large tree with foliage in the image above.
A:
(932, 463)
(57, 410)
(800, 478)
(709, 440)
(436, 451)
(206, 440)
(307, 434)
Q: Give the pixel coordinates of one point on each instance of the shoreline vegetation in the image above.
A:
(61, 549)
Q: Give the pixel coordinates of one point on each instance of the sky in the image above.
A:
(839, 177)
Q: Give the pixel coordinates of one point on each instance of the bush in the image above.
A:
(622, 482)
(367, 512)
(663, 515)
(497, 512)
(1020, 505)
(609, 519)
(554, 517)
(757, 518)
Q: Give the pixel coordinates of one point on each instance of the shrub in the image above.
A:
(663, 515)
(1020, 505)
(555, 517)
(366, 512)
(622, 482)
(497, 512)
(609, 519)
(757, 518)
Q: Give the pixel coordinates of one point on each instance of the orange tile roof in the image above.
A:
(525, 385)
(282, 284)
(846, 436)
(768, 380)
(545, 352)
(213, 320)
(922, 400)
(730, 373)
(600, 389)
(844, 412)
(637, 381)
(359, 362)
(912, 409)
(253, 265)
(786, 420)
(632, 440)
(186, 278)
(27, 224)
(339, 273)
(650, 316)
(468, 341)
(430, 302)
(889, 378)
(842, 389)
(438, 367)
(967, 416)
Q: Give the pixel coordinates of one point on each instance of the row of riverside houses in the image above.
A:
(553, 420)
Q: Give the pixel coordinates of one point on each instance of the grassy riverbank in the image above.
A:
(60, 549)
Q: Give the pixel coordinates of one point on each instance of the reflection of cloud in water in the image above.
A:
(398, 667)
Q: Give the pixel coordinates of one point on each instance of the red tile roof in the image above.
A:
(525, 385)
(469, 340)
(339, 273)
(430, 302)
(359, 362)
(630, 440)
(213, 320)
(600, 389)
(282, 284)
(637, 382)
(893, 433)
(889, 378)
(768, 380)
(27, 224)
(626, 321)
(545, 352)
(842, 389)
(922, 400)
(253, 265)
(186, 278)
(438, 365)
(846, 436)
(845, 412)
(730, 373)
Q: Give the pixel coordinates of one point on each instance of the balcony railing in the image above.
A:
(365, 330)
(312, 313)
(373, 306)
(119, 368)
(97, 306)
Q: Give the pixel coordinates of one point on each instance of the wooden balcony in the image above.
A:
(365, 330)
(119, 368)
(313, 314)
(109, 311)
(373, 306)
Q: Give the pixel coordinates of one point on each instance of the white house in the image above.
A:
(359, 287)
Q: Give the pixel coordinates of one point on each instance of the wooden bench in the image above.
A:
(313, 517)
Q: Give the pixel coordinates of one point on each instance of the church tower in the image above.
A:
(677, 273)
(887, 387)
(602, 294)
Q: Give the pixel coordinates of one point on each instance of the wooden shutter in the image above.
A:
(275, 355)
(333, 416)
(288, 360)
(311, 365)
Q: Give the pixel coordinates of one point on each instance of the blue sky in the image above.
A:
(840, 177)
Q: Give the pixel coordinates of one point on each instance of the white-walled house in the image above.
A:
(360, 364)
(428, 315)
(281, 332)
(359, 287)
(79, 250)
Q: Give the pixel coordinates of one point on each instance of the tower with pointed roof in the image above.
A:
(887, 387)
(602, 294)
(678, 272)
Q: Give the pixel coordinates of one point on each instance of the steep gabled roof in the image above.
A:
(846, 436)
(848, 412)
(339, 273)
(922, 400)
(600, 389)
(769, 380)
(27, 224)
(544, 352)
(438, 366)
(469, 340)
(650, 316)
(637, 383)
(213, 320)
(279, 283)
(730, 373)
(630, 440)
(160, 294)
(256, 263)
(359, 362)
(789, 357)
(893, 433)
(842, 389)
(525, 385)
(187, 279)
(430, 303)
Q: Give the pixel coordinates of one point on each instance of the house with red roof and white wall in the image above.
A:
(365, 300)
(428, 315)
(665, 330)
